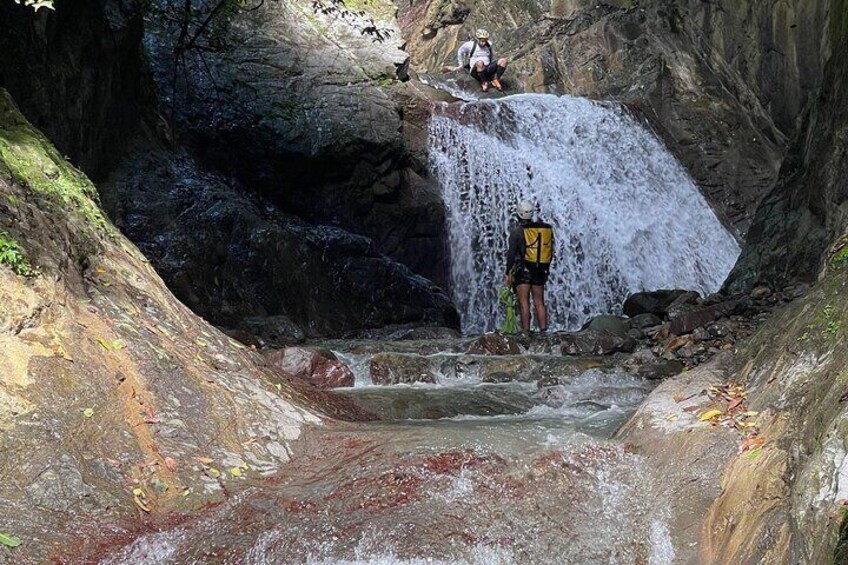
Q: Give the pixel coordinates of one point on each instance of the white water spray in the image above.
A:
(627, 217)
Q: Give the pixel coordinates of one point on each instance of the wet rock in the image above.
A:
(318, 366)
(231, 257)
(646, 320)
(761, 292)
(276, 331)
(688, 317)
(395, 368)
(654, 302)
(592, 342)
(610, 324)
(494, 344)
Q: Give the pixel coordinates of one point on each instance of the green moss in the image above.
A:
(840, 259)
(13, 256)
(380, 9)
(34, 163)
(840, 553)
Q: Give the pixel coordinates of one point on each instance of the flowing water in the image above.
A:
(627, 217)
(460, 470)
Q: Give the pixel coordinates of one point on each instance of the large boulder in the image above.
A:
(654, 302)
(317, 365)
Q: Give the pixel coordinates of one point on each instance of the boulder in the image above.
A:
(687, 320)
(642, 321)
(397, 368)
(276, 331)
(316, 365)
(593, 342)
(653, 302)
(494, 344)
(611, 324)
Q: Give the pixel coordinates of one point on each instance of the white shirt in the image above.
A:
(482, 53)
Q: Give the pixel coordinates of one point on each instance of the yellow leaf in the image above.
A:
(213, 472)
(235, 471)
(104, 344)
(671, 417)
(138, 492)
(709, 415)
(205, 460)
(751, 413)
(88, 412)
(101, 271)
(201, 343)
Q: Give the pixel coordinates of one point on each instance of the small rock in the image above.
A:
(494, 344)
(760, 292)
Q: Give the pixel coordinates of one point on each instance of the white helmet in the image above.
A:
(482, 34)
(525, 210)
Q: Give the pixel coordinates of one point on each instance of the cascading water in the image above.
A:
(626, 215)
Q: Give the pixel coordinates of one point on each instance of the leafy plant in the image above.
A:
(13, 256)
(36, 4)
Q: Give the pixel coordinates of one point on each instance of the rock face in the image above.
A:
(301, 108)
(77, 74)
(232, 258)
(108, 382)
(780, 502)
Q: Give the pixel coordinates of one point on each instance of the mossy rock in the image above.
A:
(32, 161)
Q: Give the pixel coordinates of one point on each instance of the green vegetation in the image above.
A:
(35, 164)
(13, 256)
(840, 259)
(840, 553)
(828, 323)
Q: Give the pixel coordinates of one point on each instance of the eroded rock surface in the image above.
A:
(108, 382)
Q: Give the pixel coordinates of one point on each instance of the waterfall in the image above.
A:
(626, 215)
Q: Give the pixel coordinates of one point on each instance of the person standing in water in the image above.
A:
(528, 261)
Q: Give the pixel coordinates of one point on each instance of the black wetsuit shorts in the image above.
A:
(532, 274)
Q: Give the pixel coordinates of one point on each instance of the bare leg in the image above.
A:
(539, 306)
(523, 293)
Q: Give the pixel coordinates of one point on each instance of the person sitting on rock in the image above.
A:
(528, 261)
(480, 61)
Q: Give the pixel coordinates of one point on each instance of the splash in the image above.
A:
(627, 216)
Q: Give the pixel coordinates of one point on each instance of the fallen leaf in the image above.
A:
(170, 464)
(691, 409)
(201, 343)
(709, 415)
(235, 471)
(101, 271)
(213, 472)
(754, 453)
(104, 344)
(10, 541)
(88, 412)
(140, 499)
(751, 413)
(671, 417)
(205, 460)
(118, 344)
(736, 402)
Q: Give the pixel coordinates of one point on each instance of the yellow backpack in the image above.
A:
(538, 244)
